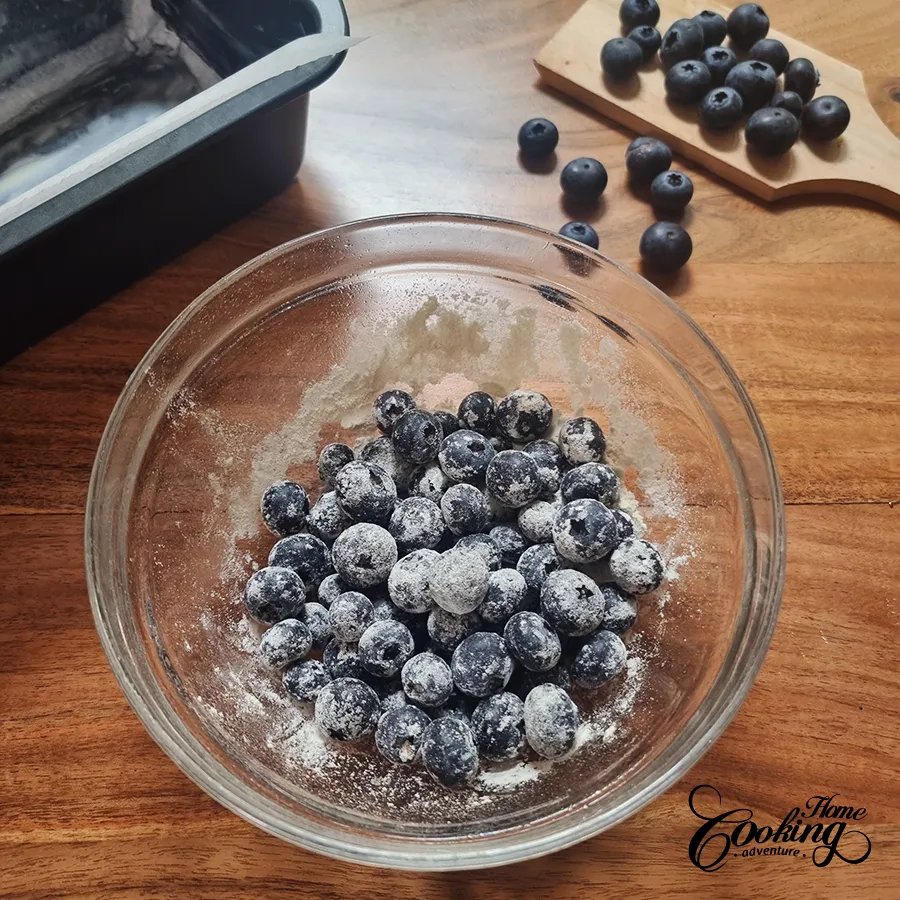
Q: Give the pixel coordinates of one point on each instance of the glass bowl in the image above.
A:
(286, 354)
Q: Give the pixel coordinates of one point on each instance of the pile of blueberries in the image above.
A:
(448, 590)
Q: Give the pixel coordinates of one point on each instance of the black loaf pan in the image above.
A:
(77, 74)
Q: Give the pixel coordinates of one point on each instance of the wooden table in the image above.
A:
(802, 298)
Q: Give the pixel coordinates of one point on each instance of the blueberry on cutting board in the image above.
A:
(826, 118)
(620, 59)
(721, 108)
(683, 40)
(772, 131)
(638, 12)
(747, 24)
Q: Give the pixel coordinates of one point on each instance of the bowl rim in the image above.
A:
(227, 789)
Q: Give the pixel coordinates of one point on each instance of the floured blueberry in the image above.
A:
(326, 519)
(524, 415)
(624, 525)
(285, 642)
(459, 580)
(550, 464)
(584, 531)
(512, 478)
(510, 542)
(306, 554)
(427, 679)
(364, 555)
(330, 587)
(430, 482)
(389, 406)
(449, 421)
(600, 659)
(484, 545)
(481, 664)
(381, 452)
(551, 721)
(385, 647)
(341, 660)
(284, 506)
(416, 523)
(636, 566)
(449, 752)
(417, 436)
(621, 609)
(366, 492)
(315, 618)
(347, 709)
(446, 630)
(350, 615)
(532, 641)
(581, 440)
(332, 459)
(399, 732)
(593, 481)
(525, 681)
(572, 603)
(409, 583)
(536, 521)
(535, 564)
(505, 596)
(303, 680)
(464, 455)
(498, 726)
(464, 508)
(274, 593)
(478, 412)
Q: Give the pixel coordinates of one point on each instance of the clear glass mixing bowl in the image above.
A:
(285, 354)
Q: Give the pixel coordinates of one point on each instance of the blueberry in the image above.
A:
(645, 158)
(551, 721)
(538, 138)
(481, 664)
(600, 659)
(591, 481)
(364, 555)
(581, 232)
(638, 12)
(621, 610)
(484, 545)
(505, 596)
(624, 525)
(416, 523)
(747, 24)
(389, 406)
(500, 443)
(326, 519)
(498, 726)
(524, 415)
(391, 695)
(449, 752)
(512, 478)
(772, 131)
(382, 453)
(330, 588)
(304, 680)
(620, 59)
(584, 179)
(687, 81)
(274, 593)
(572, 603)
(789, 100)
(427, 680)
(584, 531)
(524, 681)
(459, 580)
(671, 191)
(477, 412)
(464, 455)
(721, 109)
(409, 583)
(536, 521)
(535, 564)
(666, 246)
(446, 630)
(350, 615)
(332, 459)
(714, 27)
(315, 618)
(399, 732)
(464, 508)
(366, 492)
(429, 482)
(459, 707)
(581, 440)
(308, 556)
(648, 39)
(341, 660)
(720, 61)
(284, 506)
(385, 647)
(285, 642)
(417, 436)
(771, 51)
(347, 709)
(509, 542)
(636, 566)
(802, 78)
(754, 81)
(826, 118)
(449, 421)
(531, 640)
(683, 40)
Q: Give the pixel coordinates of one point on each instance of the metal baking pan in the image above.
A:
(84, 209)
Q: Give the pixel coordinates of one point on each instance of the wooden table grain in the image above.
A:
(802, 298)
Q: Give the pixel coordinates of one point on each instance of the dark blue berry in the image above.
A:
(390, 693)
(429, 482)
(382, 453)
(524, 681)
(505, 596)
(638, 12)
(531, 640)
(284, 506)
(481, 664)
(409, 583)
(671, 191)
(620, 59)
(535, 564)
(645, 158)
(826, 118)
(551, 721)
(274, 593)
(350, 615)
(754, 81)
(417, 436)
(683, 40)
(464, 455)
(636, 566)
(478, 412)
(459, 706)
(385, 611)
(465, 509)
(747, 24)
(399, 732)
(584, 531)
(538, 138)
(446, 629)
(330, 588)
(459, 580)
(666, 247)
(550, 464)
(347, 709)
(484, 545)
(788, 100)
(315, 618)
(498, 726)
(449, 421)
(427, 679)
(332, 459)
(308, 556)
(648, 39)
(500, 443)
(304, 680)
(584, 179)
(720, 61)
(801, 77)
(772, 131)
(285, 642)
(572, 603)
(341, 660)
(389, 406)
(721, 109)
(385, 647)
(509, 542)
(591, 481)
(621, 610)
(512, 478)
(449, 752)
(581, 440)
(524, 415)
(581, 232)
(326, 519)
(624, 525)
(687, 81)
(714, 27)
(364, 555)
(771, 51)
(600, 659)
(416, 523)
(536, 521)
(366, 492)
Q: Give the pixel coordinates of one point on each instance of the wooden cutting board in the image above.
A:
(863, 162)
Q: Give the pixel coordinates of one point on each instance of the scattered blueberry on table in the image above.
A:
(670, 192)
(583, 180)
(666, 246)
(538, 138)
